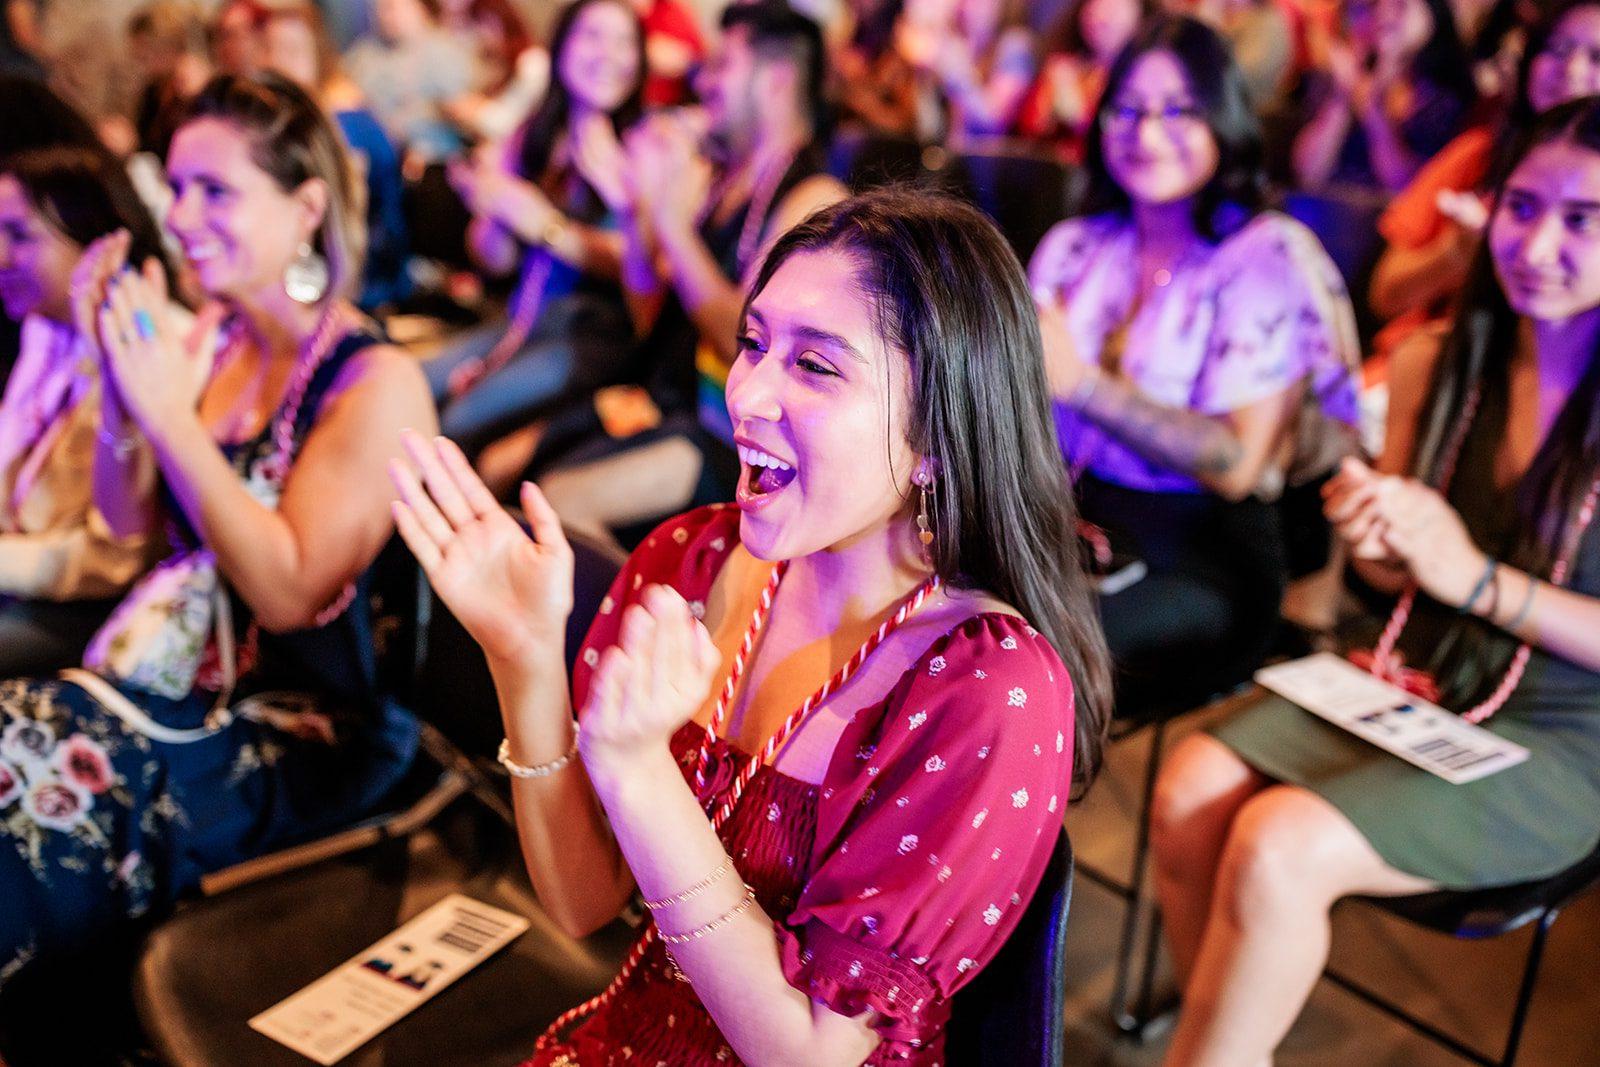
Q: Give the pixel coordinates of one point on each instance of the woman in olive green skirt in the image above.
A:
(1260, 826)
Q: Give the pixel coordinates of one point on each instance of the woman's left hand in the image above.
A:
(159, 361)
(649, 683)
(1427, 534)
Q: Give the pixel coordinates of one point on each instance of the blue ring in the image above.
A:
(144, 325)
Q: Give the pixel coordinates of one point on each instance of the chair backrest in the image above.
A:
(1025, 194)
(1014, 1012)
(453, 689)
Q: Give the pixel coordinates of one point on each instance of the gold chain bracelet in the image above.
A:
(694, 890)
(715, 924)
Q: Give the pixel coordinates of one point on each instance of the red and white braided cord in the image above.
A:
(769, 751)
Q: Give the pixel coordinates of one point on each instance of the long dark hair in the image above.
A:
(951, 294)
(1476, 359)
(293, 140)
(1239, 183)
(84, 193)
(1520, 115)
(546, 125)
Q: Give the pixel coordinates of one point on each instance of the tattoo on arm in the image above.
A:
(1175, 438)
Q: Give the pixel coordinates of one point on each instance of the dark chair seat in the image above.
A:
(206, 971)
(1483, 913)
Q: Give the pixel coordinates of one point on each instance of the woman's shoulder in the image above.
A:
(1273, 249)
(1070, 244)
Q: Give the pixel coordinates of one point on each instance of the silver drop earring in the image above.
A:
(305, 279)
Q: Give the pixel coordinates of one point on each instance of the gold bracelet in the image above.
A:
(694, 890)
(543, 770)
(715, 924)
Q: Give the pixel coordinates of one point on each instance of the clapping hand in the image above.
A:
(1405, 523)
(600, 160)
(649, 683)
(512, 592)
(159, 360)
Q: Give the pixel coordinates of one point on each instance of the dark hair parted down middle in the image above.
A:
(1477, 358)
(950, 293)
(1219, 88)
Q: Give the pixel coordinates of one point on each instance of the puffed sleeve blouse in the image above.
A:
(1240, 320)
(899, 876)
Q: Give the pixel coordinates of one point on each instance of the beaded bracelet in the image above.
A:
(121, 447)
(715, 924)
(694, 890)
(543, 770)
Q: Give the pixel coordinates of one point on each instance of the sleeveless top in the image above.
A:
(335, 663)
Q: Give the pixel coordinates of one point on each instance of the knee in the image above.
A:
(1276, 860)
(1194, 802)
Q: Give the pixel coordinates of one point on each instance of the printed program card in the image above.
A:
(1421, 733)
(343, 1010)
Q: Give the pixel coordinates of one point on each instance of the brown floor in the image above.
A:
(1464, 987)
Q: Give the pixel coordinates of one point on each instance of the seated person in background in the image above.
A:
(229, 706)
(235, 34)
(1064, 101)
(514, 70)
(673, 47)
(1199, 347)
(295, 43)
(1262, 40)
(874, 85)
(409, 71)
(537, 211)
(59, 559)
(1433, 228)
(167, 42)
(1392, 89)
(984, 67)
(694, 228)
(1478, 518)
(887, 831)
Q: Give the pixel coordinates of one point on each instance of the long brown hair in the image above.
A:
(1476, 362)
(951, 294)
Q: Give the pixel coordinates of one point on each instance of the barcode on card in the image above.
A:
(1451, 755)
(471, 931)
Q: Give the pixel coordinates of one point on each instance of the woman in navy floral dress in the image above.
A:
(231, 706)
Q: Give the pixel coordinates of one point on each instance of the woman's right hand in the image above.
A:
(1350, 501)
(598, 153)
(104, 257)
(511, 592)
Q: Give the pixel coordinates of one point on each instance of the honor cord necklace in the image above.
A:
(769, 752)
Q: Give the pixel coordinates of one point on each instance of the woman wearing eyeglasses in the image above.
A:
(1202, 356)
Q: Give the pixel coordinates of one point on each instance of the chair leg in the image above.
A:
(1530, 978)
(1128, 947)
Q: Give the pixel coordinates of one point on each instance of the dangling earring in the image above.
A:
(924, 532)
(305, 279)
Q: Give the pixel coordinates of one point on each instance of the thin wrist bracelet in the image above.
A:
(715, 924)
(693, 891)
(542, 770)
(1477, 590)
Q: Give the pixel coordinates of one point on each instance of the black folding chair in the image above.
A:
(1475, 916)
(1014, 1013)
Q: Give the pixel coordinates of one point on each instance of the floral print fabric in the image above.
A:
(896, 879)
(1238, 322)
